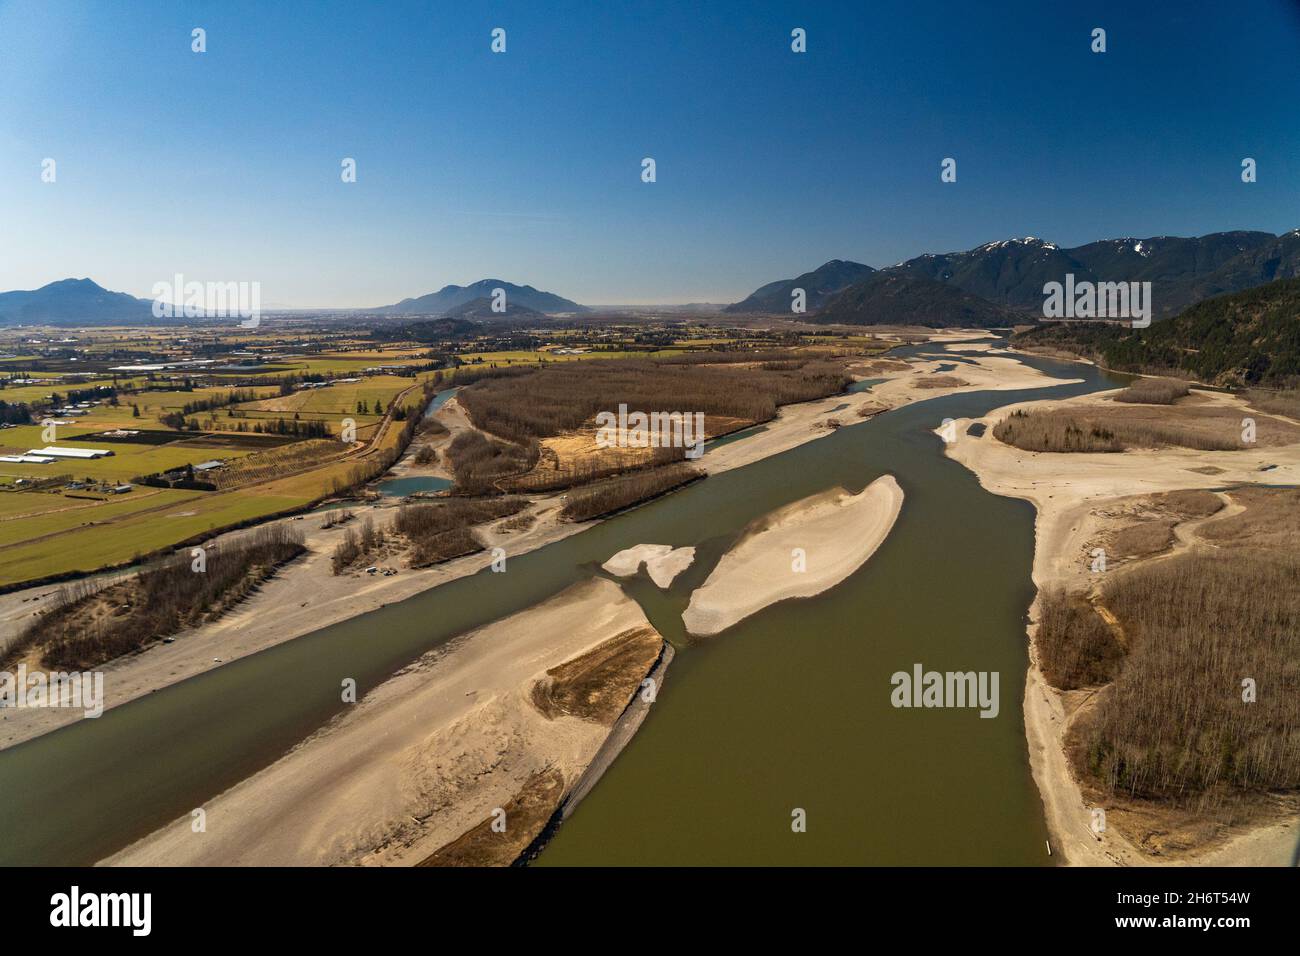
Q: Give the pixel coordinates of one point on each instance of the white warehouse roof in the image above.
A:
(66, 452)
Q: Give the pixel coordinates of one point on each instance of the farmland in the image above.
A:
(264, 424)
(212, 428)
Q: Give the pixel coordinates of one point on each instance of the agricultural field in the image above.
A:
(117, 541)
(270, 404)
(550, 354)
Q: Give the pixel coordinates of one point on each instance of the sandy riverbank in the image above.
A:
(305, 596)
(1078, 497)
(429, 755)
(796, 551)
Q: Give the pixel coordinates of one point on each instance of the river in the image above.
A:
(787, 710)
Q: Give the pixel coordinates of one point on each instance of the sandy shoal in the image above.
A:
(420, 760)
(628, 561)
(1071, 494)
(662, 562)
(837, 532)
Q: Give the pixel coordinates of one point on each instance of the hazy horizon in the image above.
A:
(526, 165)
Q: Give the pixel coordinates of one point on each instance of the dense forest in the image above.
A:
(1246, 338)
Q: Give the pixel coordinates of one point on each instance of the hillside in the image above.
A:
(1011, 273)
(886, 298)
(72, 302)
(1244, 338)
(450, 297)
(480, 310)
(819, 286)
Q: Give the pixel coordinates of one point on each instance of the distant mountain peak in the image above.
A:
(72, 302)
(450, 297)
(818, 285)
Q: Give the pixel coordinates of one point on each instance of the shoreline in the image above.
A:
(1063, 522)
(834, 533)
(419, 764)
(620, 735)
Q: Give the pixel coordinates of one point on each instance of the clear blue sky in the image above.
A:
(526, 166)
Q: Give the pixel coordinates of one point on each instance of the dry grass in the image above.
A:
(1271, 520)
(1188, 504)
(1055, 432)
(520, 522)
(526, 814)
(1144, 539)
(1110, 428)
(1154, 391)
(1285, 403)
(598, 685)
(939, 381)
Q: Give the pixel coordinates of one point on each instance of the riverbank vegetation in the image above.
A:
(88, 627)
(537, 423)
(616, 494)
(1111, 428)
(1188, 671)
(1154, 391)
(443, 530)
(1075, 646)
(1208, 698)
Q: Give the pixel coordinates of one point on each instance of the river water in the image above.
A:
(788, 710)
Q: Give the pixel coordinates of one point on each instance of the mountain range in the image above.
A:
(1009, 276)
(68, 301)
(450, 297)
(996, 284)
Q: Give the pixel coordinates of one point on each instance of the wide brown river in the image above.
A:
(788, 710)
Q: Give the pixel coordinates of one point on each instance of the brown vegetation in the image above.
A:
(1144, 539)
(539, 420)
(1154, 391)
(598, 685)
(1076, 648)
(526, 814)
(535, 403)
(441, 531)
(1100, 428)
(86, 628)
(615, 494)
(1191, 503)
(480, 463)
(1271, 520)
(1052, 431)
(520, 522)
(939, 381)
(1174, 724)
(356, 544)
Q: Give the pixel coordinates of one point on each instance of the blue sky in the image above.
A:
(526, 165)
